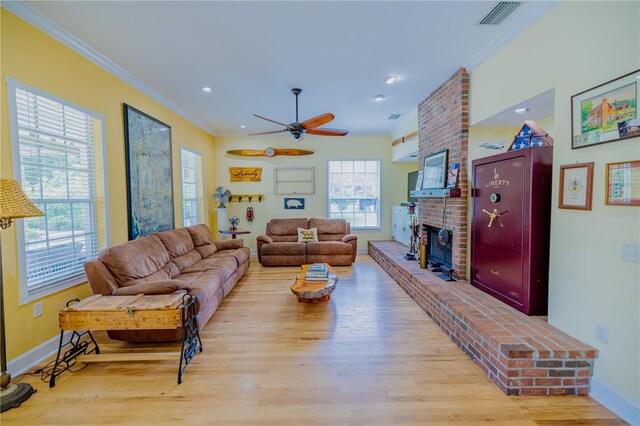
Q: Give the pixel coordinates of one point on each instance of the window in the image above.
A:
(58, 159)
(354, 192)
(192, 187)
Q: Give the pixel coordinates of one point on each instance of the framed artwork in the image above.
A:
(245, 174)
(149, 173)
(606, 113)
(623, 184)
(576, 186)
(452, 178)
(434, 172)
(294, 203)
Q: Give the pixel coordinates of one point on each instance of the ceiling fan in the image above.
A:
(310, 126)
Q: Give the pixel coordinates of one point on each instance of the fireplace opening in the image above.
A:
(440, 251)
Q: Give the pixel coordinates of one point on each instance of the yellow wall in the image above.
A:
(402, 149)
(36, 59)
(394, 178)
(577, 46)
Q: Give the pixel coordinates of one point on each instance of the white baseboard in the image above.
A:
(35, 356)
(365, 250)
(621, 406)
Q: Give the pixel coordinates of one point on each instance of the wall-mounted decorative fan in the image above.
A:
(222, 195)
(310, 126)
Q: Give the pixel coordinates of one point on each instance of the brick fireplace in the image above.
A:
(443, 123)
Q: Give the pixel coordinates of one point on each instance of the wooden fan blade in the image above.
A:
(268, 119)
(293, 152)
(317, 121)
(246, 152)
(327, 132)
(268, 133)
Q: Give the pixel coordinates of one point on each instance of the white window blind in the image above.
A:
(192, 187)
(58, 160)
(354, 192)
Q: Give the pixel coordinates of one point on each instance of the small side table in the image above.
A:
(234, 232)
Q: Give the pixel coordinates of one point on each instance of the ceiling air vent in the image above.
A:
(394, 116)
(500, 13)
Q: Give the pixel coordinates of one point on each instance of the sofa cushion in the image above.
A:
(204, 285)
(284, 249)
(137, 259)
(329, 248)
(225, 265)
(180, 247)
(241, 255)
(286, 226)
(307, 235)
(153, 287)
(329, 229)
(202, 239)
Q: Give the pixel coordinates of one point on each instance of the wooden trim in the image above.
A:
(404, 138)
(588, 189)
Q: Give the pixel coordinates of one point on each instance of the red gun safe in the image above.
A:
(510, 228)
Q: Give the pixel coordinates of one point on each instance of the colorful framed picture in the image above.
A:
(149, 173)
(434, 172)
(576, 186)
(623, 184)
(452, 177)
(606, 113)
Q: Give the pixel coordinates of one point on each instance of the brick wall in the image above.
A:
(443, 123)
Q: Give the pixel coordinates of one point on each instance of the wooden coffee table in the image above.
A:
(140, 312)
(314, 291)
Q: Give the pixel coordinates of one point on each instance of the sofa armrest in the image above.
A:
(349, 237)
(265, 239)
(152, 287)
(229, 244)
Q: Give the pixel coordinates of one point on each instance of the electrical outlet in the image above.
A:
(602, 334)
(630, 252)
(37, 310)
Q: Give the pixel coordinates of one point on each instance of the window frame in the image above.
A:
(353, 227)
(27, 296)
(202, 207)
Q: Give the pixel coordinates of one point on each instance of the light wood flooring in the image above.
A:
(369, 356)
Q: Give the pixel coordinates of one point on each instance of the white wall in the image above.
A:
(577, 46)
(394, 178)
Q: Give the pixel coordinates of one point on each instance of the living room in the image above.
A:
(542, 56)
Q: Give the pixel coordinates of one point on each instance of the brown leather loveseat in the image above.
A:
(186, 259)
(280, 246)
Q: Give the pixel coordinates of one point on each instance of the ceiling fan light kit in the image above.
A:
(310, 126)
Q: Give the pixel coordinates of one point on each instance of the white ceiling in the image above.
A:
(540, 106)
(253, 53)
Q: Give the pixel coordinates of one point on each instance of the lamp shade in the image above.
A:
(14, 204)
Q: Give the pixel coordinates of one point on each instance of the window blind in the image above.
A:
(60, 168)
(192, 187)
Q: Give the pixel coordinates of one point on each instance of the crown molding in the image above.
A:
(538, 10)
(40, 21)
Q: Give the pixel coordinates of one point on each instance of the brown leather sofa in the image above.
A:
(280, 246)
(179, 260)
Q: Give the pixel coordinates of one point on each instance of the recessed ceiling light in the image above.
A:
(207, 89)
(379, 97)
(391, 79)
(521, 110)
(242, 126)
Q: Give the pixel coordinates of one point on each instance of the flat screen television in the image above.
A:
(412, 178)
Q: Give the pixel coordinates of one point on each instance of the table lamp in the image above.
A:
(14, 204)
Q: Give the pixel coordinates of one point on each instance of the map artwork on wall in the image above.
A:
(149, 173)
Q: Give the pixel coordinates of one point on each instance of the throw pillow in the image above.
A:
(307, 235)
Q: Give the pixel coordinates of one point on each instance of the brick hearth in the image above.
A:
(522, 355)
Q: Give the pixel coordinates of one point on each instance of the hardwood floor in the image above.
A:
(368, 357)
